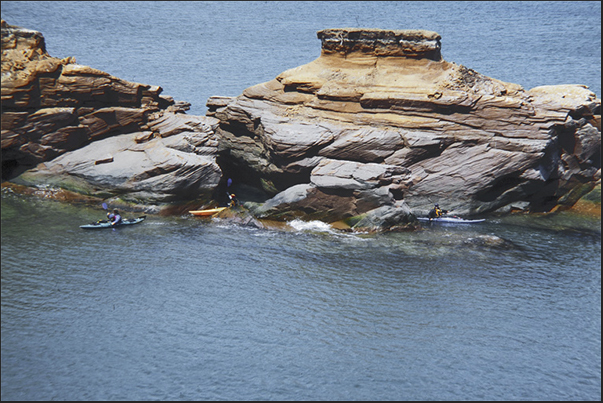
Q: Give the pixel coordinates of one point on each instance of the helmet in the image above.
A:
(437, 205)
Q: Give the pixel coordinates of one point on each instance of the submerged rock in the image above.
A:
(398, 217)
(489, 241)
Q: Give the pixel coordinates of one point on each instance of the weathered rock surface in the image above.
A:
(373, 132)
(81, 129)
(165, 164)
(380, 117)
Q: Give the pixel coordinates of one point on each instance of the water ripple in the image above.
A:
(187, 309)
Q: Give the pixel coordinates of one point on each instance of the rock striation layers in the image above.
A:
(81, 129)
(374, 131)
(380, 119)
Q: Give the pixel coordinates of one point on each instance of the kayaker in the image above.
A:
(114, 217)
(233, 200)
(436, 212)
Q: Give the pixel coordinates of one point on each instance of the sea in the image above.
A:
(187, 308)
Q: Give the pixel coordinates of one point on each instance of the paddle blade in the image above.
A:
(104, 206)
(229, 182)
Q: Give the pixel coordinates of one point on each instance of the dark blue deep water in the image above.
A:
(181, 308)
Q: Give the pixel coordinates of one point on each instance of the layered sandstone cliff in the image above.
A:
(380, 118)
(377, 128)
(79, 128)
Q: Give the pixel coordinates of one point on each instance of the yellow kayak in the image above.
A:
(208, 212)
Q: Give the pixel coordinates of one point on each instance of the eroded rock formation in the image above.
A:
(175, 160)
(381, 118)
(374, 131)
(81, 129)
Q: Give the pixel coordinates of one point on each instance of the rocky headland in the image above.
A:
(73, 127)
(373, 132)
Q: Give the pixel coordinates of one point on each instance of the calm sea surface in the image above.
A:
(186, 309)
(195, 50)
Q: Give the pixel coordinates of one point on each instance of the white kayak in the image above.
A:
(451, 220)
(106, 224)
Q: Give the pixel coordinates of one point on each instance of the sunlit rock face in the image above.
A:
(379, 125)
(75, 127)
(381, 118)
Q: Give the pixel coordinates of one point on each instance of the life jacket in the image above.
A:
(438, 211)
(233, 200)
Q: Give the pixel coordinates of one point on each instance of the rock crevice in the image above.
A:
(374, 130)
(473, 142)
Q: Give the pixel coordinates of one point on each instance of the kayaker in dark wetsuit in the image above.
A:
(436, 212)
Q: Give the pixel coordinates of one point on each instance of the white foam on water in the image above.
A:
(312, 226)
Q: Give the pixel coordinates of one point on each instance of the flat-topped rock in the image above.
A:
(380, 42)
(387, 98)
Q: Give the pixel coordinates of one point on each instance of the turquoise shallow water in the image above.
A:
(185, 309)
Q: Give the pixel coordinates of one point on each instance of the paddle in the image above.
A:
(228, 183)
(104, 208)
